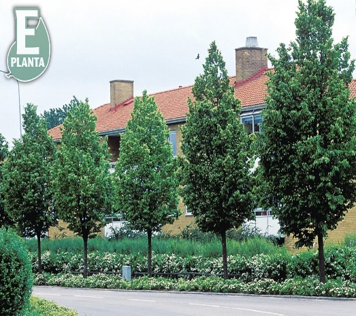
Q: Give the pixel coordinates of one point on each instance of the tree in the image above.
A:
(81, 176)
(4, 148)
(146, 181)
(5, 217)
(27, 189)
(56, 116)
(215, 170)
(308, 143)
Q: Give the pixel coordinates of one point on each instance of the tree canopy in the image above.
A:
(81, 178)
(5, 218)
(56, 116)
(308, 153)
(146, 179)
(215, 169)
(26, 179)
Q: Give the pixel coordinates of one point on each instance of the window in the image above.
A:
(252, 123)
(173, 140)
(260, 212)
(257, 120)
(187, 212)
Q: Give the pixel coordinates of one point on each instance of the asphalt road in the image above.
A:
(98, 302)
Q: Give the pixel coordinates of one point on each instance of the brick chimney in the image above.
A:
(250, 59)
(120, 91)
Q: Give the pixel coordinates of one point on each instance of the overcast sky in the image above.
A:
(153, 42)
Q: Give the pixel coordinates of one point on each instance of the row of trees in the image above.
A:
(40, 184)
(307, 151)
(307, 154)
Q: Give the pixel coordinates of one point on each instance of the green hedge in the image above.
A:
(15, 274)
(305, 287)
(339, 261)
(260, 266)
(41, 307)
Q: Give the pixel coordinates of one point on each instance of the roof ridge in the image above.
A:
(251, 78)
(125, 102)
(100, 106)
(170, 90)
(179, 88)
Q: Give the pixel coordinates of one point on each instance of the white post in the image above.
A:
(126, 273)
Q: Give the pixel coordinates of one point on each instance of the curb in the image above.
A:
(296, 297)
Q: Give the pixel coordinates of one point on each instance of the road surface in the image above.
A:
(100, 302)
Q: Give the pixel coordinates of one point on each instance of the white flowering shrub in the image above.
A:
(304, 287)
(340, 262)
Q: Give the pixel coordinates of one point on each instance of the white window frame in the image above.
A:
(260, 210)
(173, 143)
(251, 115)
(187, 212)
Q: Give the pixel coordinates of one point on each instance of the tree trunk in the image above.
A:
(85, 272)
(321, 258)
(149, 237)
(39, 252)
(224, 253)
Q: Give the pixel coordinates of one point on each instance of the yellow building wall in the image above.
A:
(183, 220)
(180, 223)
(62, 231)
(336, 236)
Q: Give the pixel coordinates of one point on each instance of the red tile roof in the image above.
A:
(173, 103)
(253, 90)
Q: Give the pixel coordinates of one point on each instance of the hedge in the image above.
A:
(305, 287)
(339, 261)
(41, 307)
(15, 274)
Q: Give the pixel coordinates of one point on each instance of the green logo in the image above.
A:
(29, 55)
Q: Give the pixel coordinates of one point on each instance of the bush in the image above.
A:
(125, 231)
(339, 264)
(306, 287)
(41, 307)
(248, 269)
(193, 233)
(255, 261)
(244, 233)
(350, 240)
(304, 264)
(15, 274)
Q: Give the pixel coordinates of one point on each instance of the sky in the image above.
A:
(152, 42)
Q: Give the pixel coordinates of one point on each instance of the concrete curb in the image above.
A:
(296, 297)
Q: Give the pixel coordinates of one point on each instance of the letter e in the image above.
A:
(22, 31)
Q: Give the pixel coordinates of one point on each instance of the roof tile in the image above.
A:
(173, 103)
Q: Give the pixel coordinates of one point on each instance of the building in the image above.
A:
(250, 88)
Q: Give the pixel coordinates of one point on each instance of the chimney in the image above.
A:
(120, 91)
(250, 59)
